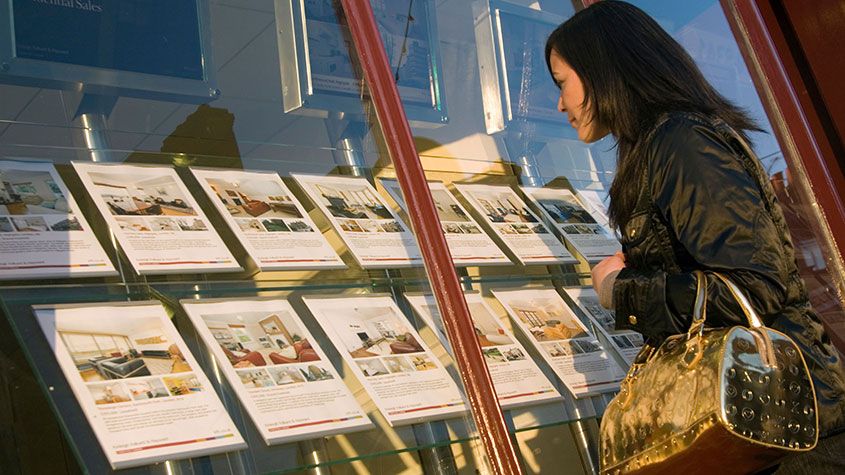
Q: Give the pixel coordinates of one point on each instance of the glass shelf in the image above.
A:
(381, 445)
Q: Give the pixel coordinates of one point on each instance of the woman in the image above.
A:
(686, 197)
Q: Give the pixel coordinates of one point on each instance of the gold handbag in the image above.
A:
(729, 400)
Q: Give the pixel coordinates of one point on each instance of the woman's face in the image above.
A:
(571, 100)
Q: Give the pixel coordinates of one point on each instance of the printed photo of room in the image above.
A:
(448, 209)
(487, 328)
(546, 319)
(564, 211)
(255, 378)
(493, 356)
(372, 367)
(150, 388)
(503, 207)
(30, 192)
(144, 195)
(28, 224)
(254, 197)
(62, 223)
(283, 375)
(605, 317)
(252, 339)
(183, 384)
(422, 362)
(398, 364)
(352, 201)
(120, 348)
(373, 331)
(573, 347)
(108, 393)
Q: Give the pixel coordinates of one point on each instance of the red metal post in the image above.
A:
(438, 261)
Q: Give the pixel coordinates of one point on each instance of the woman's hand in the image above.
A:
(607, 266)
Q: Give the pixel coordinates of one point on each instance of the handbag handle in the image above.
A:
(755, 323)
(700, 307)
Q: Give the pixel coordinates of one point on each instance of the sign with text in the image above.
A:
(578, 227)
(140, 388)
(468, 243)
(527, 238)
(563, 341)
(282, 377)
(628, 343)
(270, 223)
(406, 381)
(516, 377)
(376, 237)
(159, 38)
(140, 48)
(157, 222)
(42, 232)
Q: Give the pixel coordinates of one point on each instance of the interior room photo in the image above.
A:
(447, 208)
(109, 393)
(374, 331)
(143, 195)
(563, 211)
(30, 192)
(118, 348)
(352, 201)
(488, 330)
(182, 385)
(504, 208)
(251, 339)
(546, 319)
(148, 388)
(254, 197)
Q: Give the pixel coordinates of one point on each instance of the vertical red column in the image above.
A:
(423, 215)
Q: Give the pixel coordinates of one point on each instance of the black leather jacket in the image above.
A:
(707, 204)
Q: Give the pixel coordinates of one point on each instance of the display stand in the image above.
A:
(432, 447)
(93, 112)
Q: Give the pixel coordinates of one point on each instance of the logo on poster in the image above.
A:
(87, 5)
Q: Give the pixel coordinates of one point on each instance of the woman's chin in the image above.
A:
(590, 135)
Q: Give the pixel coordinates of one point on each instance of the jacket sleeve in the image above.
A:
(715, 209)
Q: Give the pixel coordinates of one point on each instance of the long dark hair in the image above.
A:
(633, 72)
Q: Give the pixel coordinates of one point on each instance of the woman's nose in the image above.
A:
(560, 105)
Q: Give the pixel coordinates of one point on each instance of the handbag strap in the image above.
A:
(700, 308)
(755, 323)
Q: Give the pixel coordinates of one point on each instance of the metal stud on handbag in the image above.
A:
(729, 400)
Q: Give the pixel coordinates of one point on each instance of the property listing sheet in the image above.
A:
(404, 29)
(578, 227)
(42, 232)
(468, 243)
(140, 388)
(155, 219)
(628, 343)
(282, 377)
(565, 343)
(376, 237)
(517, 379)
(515, 224)
(272, 226)
(594, 201)
(405, 380)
